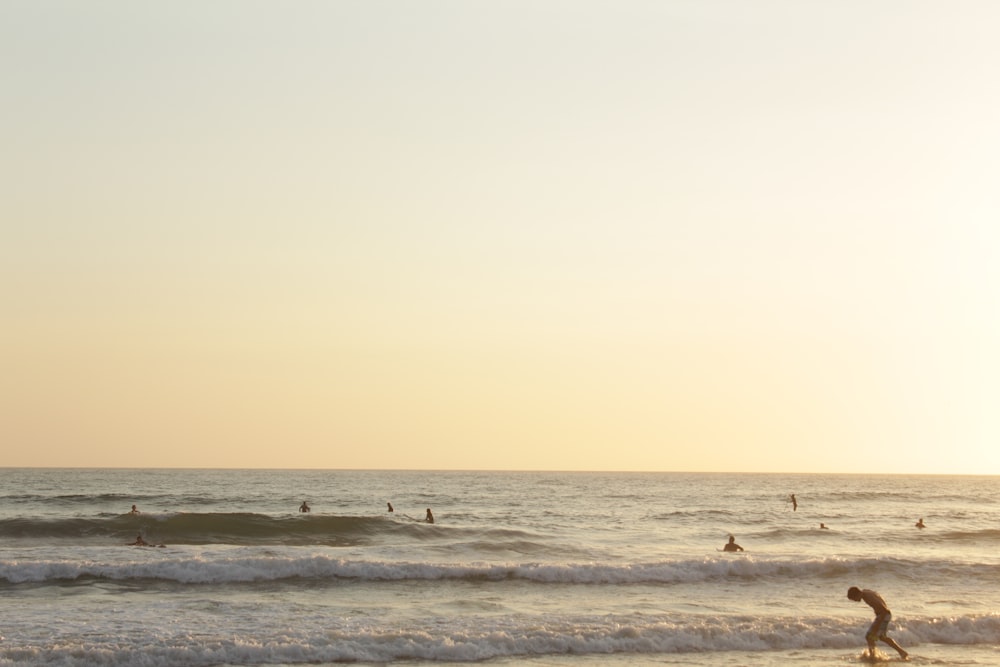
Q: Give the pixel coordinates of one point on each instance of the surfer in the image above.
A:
(880, 626)
(795, 503)
(920, 523)
(139, 542)
(390, 507)
(304, 507)
(731, 545)
(135, 510)
(430, 517)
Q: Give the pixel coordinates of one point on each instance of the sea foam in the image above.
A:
(174, 565)
(351, 640)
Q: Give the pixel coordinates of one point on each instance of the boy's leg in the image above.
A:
(899, 649)
(872, 635)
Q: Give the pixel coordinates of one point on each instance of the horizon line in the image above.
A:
(507, 470)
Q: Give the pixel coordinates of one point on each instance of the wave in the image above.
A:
(212, 528)
(473, 639)
(173, 565)
(980, 536)
(977, 536)
(984, 496)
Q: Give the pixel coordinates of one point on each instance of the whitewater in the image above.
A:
(520, 568)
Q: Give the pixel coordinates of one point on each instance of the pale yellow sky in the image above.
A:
(699, 235)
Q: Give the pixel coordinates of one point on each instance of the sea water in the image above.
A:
(519, 568)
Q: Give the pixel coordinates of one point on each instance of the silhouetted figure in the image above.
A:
(304, 507)
(731, 545)
(390, 507)
(135, 510)
(795, 503)
(139, 542)
(824, 526)
(880, 626)
(430, 517)
(920, 524)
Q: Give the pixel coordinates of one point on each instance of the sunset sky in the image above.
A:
(565, 235)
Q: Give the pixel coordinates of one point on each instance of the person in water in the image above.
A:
(304, 507)
(139, 542)
(795, 503)
(823, 526)
(135, 510)
(920, 524)
(731, 545)
(880, 626)
(430, 517)
(390, 507)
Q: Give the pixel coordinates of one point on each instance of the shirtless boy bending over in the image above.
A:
(880, 626)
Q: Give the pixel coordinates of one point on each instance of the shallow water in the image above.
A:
(519, 568)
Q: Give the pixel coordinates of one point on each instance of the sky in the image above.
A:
(673, 235)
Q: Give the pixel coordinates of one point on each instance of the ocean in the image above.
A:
(519, 568)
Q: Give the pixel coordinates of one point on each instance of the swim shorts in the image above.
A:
(880, 627)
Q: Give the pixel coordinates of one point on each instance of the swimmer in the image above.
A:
(880, 626)
(731, 545)
(139, 542)
(304, 507)
(920, 524)
(135, 510)
(823, 526)
(390, 507)
(430, 517)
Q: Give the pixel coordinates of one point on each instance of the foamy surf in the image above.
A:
(476, 639)
(520, 569)
(179, 566)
